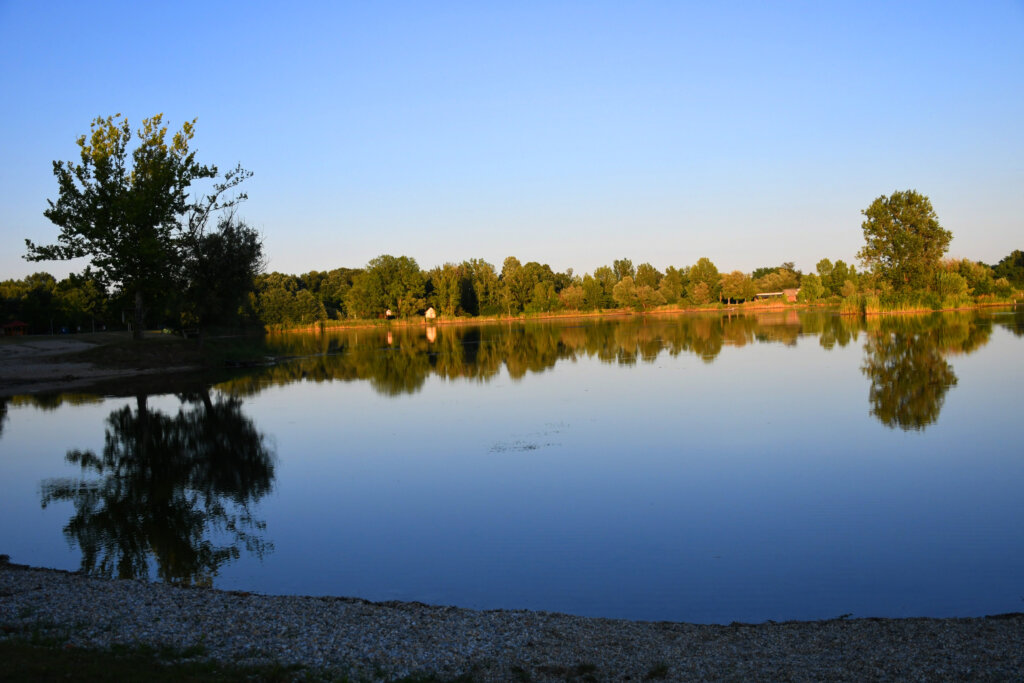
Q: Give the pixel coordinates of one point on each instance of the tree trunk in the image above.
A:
(137, 330)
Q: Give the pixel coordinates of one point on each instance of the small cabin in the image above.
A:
(431, 314)
(15, 328)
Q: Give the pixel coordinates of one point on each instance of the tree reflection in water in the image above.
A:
(904, 358)
(175, 488)
(905, 355)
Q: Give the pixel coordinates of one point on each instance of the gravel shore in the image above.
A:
(389, 640)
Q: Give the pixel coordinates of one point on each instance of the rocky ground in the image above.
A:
(387, 640)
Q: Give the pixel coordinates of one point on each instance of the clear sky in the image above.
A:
(570, 133)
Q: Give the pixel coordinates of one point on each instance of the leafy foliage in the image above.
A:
(904, 241)
(130, 213)
(811, 288)
(705, 283)
(388, 283)
(1011, 267)
(624, 293)
(219, 269)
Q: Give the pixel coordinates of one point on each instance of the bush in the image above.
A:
(949, 284)
(1002, 288)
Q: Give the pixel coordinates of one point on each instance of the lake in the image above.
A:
(701, 468)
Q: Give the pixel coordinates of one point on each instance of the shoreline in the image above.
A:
(47, 364)
(387, 640)
(44, 364)
(324, 327)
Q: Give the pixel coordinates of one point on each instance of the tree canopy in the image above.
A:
(129, 212)
(388, 283)
(1011, 267)
(904, 241)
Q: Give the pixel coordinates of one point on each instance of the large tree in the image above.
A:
(219, 270)
(703, 272)
(128, 211)
(389, 283)
(904, 241)
(1011, 267)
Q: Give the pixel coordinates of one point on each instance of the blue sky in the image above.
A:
(568, 133)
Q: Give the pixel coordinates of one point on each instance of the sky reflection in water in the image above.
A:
(695, 468)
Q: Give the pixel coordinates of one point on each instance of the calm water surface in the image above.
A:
(696, 468)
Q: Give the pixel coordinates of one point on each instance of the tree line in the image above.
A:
(475, 288)
(154, 243)
(164, 255)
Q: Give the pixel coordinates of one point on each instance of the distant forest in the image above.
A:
(477, 288)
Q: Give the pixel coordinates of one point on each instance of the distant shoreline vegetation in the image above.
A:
(181, 270)
(475, 290)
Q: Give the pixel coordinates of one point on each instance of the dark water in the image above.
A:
(698, 468)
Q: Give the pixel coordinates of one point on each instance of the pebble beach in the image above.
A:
(383, 641)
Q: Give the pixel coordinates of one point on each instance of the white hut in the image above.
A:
(431, 314)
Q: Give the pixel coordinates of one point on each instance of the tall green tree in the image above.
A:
(517, 285)
(82, 299)
(904, 241)
(647, 297)
(623, 268)
(624, 293)
(811, 287)
(389, 282)
(484, 297)
(593, 292)
(607, 279)
(543, 298)
(825, 268)
(734, 286)
(648, 275)
(219, 271)
(573, 297)
(673, 284)
(446, 284)
(841, 273)
(127, 211)
(1011, 267)
(703, 272)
